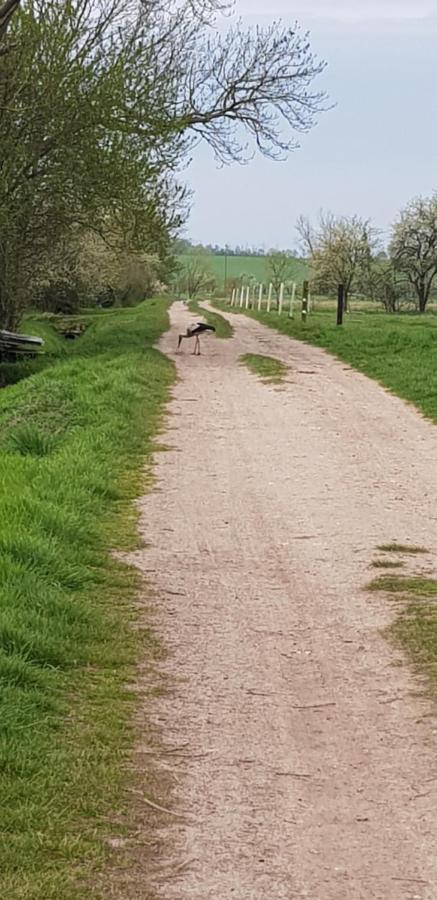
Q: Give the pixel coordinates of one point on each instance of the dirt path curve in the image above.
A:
(307, 762)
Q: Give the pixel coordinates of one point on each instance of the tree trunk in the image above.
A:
(422, 294)
(9, 307)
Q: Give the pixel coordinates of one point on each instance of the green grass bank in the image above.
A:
(73, 442)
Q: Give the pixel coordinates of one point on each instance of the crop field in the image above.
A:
(225, 268)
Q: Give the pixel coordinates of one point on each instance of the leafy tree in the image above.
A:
(196, 275)
(413, 246)
(66, 158)
(279, 268)
(385, 285)
(100, 101)
(340, 250)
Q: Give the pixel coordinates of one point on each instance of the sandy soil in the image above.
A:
(303, 755)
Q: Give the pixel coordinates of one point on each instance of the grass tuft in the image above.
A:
(29, 440)
(401, 548)
(269, 369)
(415, 631)
(387, 564)
(400, 584)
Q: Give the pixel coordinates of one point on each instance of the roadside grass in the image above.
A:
(415, 627)
(405, 584)
(54, 347)
(402, 548)
(269, 369)
(386, 564)
(223, 328)
(415, 631)
(399, 351)
(73, 440)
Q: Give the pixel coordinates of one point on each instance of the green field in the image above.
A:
(226, 268)
(73, 442)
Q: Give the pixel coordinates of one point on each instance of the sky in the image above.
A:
(369, 155)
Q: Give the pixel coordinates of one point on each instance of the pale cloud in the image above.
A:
(343, 11)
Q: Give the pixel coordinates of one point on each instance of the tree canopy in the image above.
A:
(340, 250)
(101, 102)
(413, 246)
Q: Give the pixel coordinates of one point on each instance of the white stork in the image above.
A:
(195, 331)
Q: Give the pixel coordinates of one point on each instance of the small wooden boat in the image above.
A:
(13, 345)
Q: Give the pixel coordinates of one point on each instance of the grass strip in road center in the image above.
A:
(269, 369)
(223, 328)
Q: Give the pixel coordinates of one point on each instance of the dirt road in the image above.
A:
(304, 758)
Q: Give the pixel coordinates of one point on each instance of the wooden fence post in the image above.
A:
(305, 293)
(241, 296)
(260, 297)
(293, 294)
(247, 296)
(269, 297)
(340, 304)
(281, 299)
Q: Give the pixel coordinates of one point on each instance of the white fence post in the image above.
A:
(241, 296)
(269, 297)
(247, 296)
(233, 297)
(281, 299)
(260, 297)
(292, 298)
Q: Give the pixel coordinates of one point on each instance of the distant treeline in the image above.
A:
(184, 246)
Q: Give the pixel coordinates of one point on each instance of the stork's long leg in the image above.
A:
(196, 351)
(181, 337)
